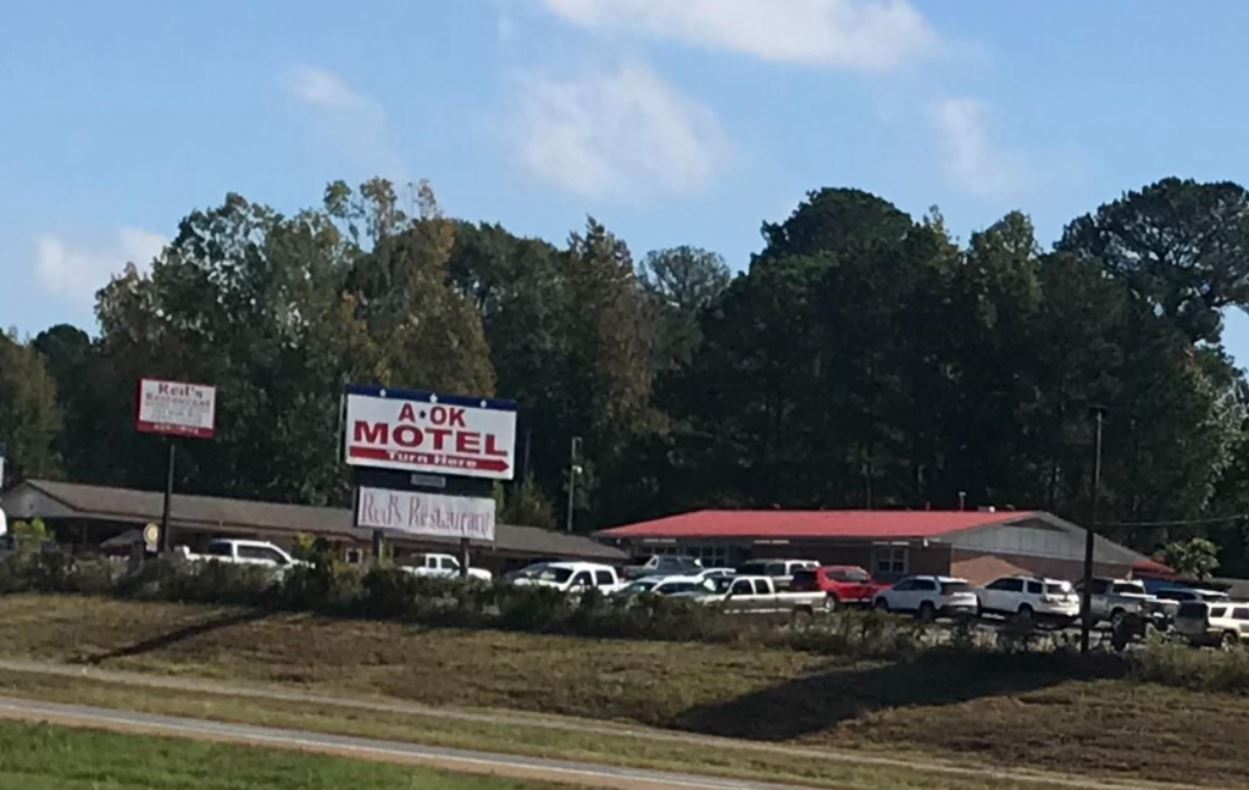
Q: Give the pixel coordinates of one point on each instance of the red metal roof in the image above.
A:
(797, 524)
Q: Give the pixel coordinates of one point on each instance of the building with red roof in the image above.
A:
(978, 545)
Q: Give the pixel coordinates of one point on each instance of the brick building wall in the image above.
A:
(980, 568)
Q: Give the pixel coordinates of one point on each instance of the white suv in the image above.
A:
(1225, 624)
(929, 597)
(1030, 599)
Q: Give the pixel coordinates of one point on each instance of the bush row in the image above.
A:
(387, 593)
(339, 590)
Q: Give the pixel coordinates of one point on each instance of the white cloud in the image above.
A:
(78, 272)
(354, 122)
(620, 134)
(858, 34)
(974, 163)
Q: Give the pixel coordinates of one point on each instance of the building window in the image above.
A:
(890, 560)
(354, 556)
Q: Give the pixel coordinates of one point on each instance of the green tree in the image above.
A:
(527, 505)
(1196, 558)
(682, 282)
(30, 421)
(1182, 245)
(280, 313)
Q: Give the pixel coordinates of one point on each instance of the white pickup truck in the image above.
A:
(758, 595)
(442, 566)
(243, 552)
(1112, 600)
(570, 577)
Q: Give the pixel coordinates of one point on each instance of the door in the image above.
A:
(1241, 615)
(902, 595)
(741, 593)
(998, 596)
(926, 590)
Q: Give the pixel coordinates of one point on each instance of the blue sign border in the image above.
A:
(426, 396)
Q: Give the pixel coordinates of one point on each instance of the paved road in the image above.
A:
(508, 765)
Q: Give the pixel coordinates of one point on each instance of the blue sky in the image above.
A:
(673, 121)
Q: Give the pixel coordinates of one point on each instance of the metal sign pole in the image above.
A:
(1098, 413)
(164, 517)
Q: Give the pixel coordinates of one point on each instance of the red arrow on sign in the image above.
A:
(424, 459)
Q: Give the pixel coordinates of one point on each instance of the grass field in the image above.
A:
(999, 710)
(42, 757)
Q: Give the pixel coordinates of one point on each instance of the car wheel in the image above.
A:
(800, 618)
(882, 604)
(1116, 618)
(1229, 641)
(1025, 616)
(831, 603)
(927, 612)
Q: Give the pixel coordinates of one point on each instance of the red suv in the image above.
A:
(848, 584)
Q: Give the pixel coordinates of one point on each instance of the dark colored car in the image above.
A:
(664, 565)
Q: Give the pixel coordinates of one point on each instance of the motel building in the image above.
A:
(979, 546)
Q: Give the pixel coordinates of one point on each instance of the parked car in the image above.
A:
(1205, 623)
(571, 576)
(758, 595)
(929, 597)
(780, 571)
(1031, 599)
(843, 584)
(663, 565)
(1170, 598)
(714, 573)
(243, 552)
(443, 566)
(666, 585)
(1112, 600)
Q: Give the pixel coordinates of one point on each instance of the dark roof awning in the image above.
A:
(49, 500)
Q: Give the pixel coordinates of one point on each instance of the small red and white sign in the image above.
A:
(175, 408)
(427, 432)
(422, 513)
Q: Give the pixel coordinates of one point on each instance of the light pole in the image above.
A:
(574, 469)
(1098, 413)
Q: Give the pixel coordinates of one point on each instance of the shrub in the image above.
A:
(324, 586)
(1174, 664)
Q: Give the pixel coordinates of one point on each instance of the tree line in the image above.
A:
(863, 358)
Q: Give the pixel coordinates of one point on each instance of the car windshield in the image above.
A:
(1058, 588)
(1193, 610)
(954, 587)
(637, 588)
(673, 588)
(1128, 588)
(849, 575)
(549, 574)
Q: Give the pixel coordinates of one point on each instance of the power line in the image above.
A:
(1176, 523)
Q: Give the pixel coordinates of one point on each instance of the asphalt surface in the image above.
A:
(512, 766)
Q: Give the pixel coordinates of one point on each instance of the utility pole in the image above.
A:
(1098, 413)
(574, 469)
(168, 501)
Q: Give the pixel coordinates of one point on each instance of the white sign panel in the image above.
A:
(176, 408)
(422, 513)
(427, 432)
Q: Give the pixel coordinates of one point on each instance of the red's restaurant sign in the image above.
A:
(418, 431)
(176, 408)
